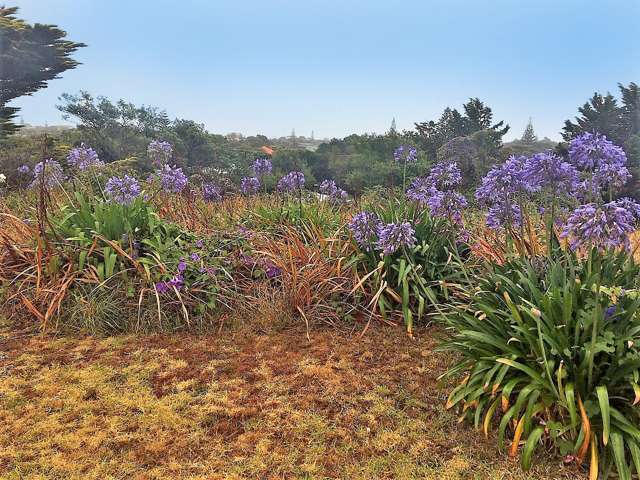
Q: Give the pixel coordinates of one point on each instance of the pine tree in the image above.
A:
(30, 56)
(529, 136)
(392, 129)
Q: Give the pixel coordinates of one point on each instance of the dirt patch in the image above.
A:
(239, 405)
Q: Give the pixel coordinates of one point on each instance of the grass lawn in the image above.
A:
(238, 405)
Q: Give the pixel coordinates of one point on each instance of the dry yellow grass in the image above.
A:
(240, 405)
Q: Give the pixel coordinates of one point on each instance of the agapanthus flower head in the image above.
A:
(211, 192)
(172, 179)
(291, 182)
(421, 190)
(83, 157)
(331, 190)
(48, 172)
(405, 154)
(504, 181)
(445, 176)
(159, 152)
(503, 215)
(249, 185)
(364, 227)
(262, 167)
(630, 205)
(590, 151)
(548, 171)
(610, 175)
(606, 226)
(447, 204)
(394, 236)
(24, 169)
(123, 190)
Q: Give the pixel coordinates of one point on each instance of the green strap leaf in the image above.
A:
(530, 446)
(605, 412)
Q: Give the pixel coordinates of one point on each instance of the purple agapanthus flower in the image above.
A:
(504, 181)
(548, 171)
(292, 181)
(48, 172)
(194, 257)
(331, 190)
(159, 152)
(262, 167)
(501, 215)
(610, 175)
(606, 226)
(405, 154)
(421, 190)
(590, 151)
(445, 176)
(630, 205)
(394, 236)
(249, 185)
(211, 192)
(447, 204)
(364, 227)
(24, 169)
(172, 179)
(83, 157)
(123, 190)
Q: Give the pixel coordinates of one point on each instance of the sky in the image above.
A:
(338, 67)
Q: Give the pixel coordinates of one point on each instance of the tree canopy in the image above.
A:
(477, 116)
(30, 56)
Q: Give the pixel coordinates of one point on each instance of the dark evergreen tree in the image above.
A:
(30, 56)
(600, 114)
(529, 136)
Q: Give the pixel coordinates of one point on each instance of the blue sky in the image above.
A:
(339, 67)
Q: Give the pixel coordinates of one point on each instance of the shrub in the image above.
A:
(418, 274)
(552, 347)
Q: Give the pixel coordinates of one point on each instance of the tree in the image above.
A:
(115, 130)
(392, 128)
(30, 56)
(452, 124)
(630, 110)
(529, 136)
(600, 114)
(619, 123)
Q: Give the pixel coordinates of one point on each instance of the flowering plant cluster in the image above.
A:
(262, 167)
(123, 190)
(24, 169)
(172, 179)
(605, 226)
(369, 232)
(291, 182)
(48, 172)
(594, 166)
(249, 185)
(211, 192)
(331, 190)
(83, 158)
(159, 152)
(364, 227)
(436, 191)
(405, 154)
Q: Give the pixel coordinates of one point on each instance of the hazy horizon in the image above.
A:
(335, 69)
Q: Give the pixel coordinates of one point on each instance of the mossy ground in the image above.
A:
(238, 405)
